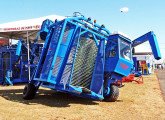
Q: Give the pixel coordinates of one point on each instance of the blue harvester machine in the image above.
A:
(14, 62)
(83, 58)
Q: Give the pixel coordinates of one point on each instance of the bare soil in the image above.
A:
(136, 102)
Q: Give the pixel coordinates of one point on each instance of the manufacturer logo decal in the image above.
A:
(123, 66)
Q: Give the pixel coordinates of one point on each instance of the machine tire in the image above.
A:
(113, 95)
(29, 92)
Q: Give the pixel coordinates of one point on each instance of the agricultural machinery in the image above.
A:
(14, 62)
(84, 59)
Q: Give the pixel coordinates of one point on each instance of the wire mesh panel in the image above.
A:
(56, 66)
(69, 65)
(59, 58)
(51, 52)
(84, 63)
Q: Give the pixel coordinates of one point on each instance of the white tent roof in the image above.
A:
(18, 29)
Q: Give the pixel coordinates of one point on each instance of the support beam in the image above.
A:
(28, 55)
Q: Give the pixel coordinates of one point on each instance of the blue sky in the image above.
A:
(143, 15)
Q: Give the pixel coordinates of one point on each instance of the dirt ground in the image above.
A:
(136, 102)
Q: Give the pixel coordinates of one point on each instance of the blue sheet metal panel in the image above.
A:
(110, 64)
(111, 60)
(98, 74)
(135, 63)
(45, 28)
(123, 66)
(18, 51)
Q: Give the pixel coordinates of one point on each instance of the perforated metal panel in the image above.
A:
(84, 63)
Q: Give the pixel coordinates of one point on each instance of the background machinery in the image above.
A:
(14, 62)
(83, 58)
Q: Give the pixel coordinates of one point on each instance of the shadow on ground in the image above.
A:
(46, 97)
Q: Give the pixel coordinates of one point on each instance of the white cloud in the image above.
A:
(124, 9)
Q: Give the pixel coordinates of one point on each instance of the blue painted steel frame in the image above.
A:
(151, 37)
(100, 33)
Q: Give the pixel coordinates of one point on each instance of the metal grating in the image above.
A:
(68, 67)
(66, 74)
(84, 63)
(65, 35)
(46, 67)
(56, 66)
(50, 55)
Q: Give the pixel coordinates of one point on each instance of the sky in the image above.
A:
(143, 15)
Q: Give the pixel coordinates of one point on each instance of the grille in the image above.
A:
(84, 63)
(51, 52)
(68, 68)
(66, 33)
(56, 66)
(47, 66)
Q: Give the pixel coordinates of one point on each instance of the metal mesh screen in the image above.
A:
(68, 67)
(58, 59)
(46, 67)
(84, 63)
(65, 35)
(56, 66)
(51, 52)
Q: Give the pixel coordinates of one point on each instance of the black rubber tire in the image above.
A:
(29, 92)
(113, 95)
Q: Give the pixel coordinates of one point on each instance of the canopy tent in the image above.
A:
(19, 29)
(25, 29)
